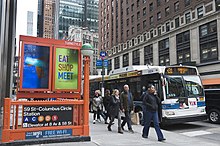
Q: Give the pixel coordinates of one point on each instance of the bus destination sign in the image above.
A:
(180, 71)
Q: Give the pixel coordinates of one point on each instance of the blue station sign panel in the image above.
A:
(99, 63)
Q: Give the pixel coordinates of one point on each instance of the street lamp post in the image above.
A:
(87, 51)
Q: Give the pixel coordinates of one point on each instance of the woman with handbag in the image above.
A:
(114, 110)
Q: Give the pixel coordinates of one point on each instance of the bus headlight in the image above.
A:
(201, 99)
(169, 113)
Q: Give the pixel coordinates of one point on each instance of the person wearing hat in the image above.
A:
(151, 102)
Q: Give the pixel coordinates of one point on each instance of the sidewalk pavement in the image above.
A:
(100, 136)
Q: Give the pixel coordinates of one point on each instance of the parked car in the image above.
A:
(213, 104)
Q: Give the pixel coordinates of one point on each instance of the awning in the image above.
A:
(214, 81)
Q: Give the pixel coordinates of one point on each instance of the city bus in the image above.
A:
(179, 88)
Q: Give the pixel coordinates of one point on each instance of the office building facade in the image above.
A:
(47, 18)
(162, 32)
(81, 13)
(84, 35)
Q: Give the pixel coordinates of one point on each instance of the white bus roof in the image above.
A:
(146, 69)
(128, 69)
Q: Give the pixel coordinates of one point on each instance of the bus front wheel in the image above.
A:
(214, 116)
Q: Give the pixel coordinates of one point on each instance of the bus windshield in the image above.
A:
(193, 86)
(174, 87)
(183, 86)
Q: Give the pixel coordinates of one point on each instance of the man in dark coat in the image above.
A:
(127, 106)
(151, 103)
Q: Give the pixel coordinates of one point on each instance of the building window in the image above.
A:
(138, 3)
(176, 6)
(167, 26)
(127, 33)
(138, 39)
(136, 57)
(144, 23)
(183, 37)
(128, 44)
(151, 34)
(208, 42)
(158, 15)
(132, 7)
(187, 17)
(132, 41)
(187, 2)
(125, 60)
(127, 22)
(217, 4)
(167, 11)
(164, 59)
(145, 37)
(144, 11)
(183, 56)
(117, 62)
(151, 6)
(138, 15)
(200, 12)
(159, 30)
(30, 23)
(132, 30)
(127, 11)
(132, 19)
(209, 51)
(151, 20)
(109, 65)
(183, 47)
(209, 8)
(158, 3)
(138, 27)
(148, 54)
(208, 29)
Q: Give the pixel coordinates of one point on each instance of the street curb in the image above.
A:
(47, 141)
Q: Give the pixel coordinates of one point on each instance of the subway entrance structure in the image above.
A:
(49, 105)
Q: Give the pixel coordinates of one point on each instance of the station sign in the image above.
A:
(47, 116)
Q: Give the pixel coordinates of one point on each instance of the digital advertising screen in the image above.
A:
(66, 69)
(36, 67)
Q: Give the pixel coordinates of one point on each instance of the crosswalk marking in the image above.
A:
(196, 133)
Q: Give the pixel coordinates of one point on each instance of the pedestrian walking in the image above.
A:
(114, 110)
(151, 103)
(106, 102)
(127, 106)
(97, 105)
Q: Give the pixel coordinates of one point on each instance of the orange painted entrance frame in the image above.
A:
(12, 131)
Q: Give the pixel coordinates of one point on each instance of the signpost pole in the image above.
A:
(103, 73)
(103, 55)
